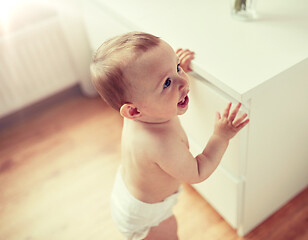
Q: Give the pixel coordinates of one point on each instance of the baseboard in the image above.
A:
(21, 115)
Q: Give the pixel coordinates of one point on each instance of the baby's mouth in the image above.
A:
(184, 102)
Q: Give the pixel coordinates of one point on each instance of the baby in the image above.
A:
(142, 77)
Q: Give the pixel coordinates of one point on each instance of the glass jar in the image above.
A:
(243, 10)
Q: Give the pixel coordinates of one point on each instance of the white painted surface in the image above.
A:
(238, 55)
(101, 24)
(277, 153)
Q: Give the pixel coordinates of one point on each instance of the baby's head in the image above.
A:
(110, 61)
(139, 75)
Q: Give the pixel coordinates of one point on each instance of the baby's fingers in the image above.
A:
(178, 51)
(237, 122)
(185, 57)
(227, 110)
(218, 116)
(181, 53)
(185, 63)
(243, 124)
(235, 112)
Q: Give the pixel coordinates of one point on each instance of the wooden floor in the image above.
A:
(56, 173)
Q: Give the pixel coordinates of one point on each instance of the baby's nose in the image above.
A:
(183, 83)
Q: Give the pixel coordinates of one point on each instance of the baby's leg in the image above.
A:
(166, 230)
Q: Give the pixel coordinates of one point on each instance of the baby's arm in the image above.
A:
(226, 127)
(177, 161)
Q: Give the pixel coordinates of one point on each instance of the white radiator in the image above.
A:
(35, 62)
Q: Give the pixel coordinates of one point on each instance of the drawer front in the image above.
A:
(223, 192)
(198, 122)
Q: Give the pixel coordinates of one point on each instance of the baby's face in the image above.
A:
(159, 85)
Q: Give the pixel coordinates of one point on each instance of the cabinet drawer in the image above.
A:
(198, 121)
(223, 192)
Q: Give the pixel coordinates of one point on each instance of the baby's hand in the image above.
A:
(185, 58)
(227, 125)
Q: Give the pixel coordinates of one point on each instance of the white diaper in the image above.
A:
(133, 217)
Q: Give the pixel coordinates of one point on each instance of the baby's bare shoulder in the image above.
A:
(155, 141)
(162, 143)
(154, 137)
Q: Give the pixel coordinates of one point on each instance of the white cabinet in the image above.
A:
(276, 161)
(266, 163)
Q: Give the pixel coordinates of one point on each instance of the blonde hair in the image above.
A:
(108, 62)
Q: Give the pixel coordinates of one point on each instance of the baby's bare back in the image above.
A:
(141, 145)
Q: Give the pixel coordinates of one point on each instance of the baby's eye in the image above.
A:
(178, 67)
(167, 83)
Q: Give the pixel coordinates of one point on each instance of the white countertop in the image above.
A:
(233, 55)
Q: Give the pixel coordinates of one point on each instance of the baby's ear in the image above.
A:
(129, 110)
